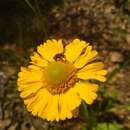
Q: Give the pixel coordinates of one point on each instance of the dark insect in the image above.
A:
(59, 57)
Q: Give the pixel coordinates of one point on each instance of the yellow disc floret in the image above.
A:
(56, 72)
(60, 76)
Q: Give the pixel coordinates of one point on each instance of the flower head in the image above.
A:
(57, 79)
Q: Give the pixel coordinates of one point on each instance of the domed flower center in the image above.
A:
(59, 77)
(56, 72)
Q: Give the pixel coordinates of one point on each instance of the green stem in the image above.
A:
(39, 15)
(87, 115)
(30, 5)
(42, 18)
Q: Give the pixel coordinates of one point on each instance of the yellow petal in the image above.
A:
(37, 103)
(51, 111)
(93, 67)
(32, 87)
(46, 98)
(35, 106)
(34, 68)
(98, 75)
(29, 102)
(93, 71)
(28, 75)
(27, 90)
(64, 112)
(87, 57)
(86, 91)
(72, 99)
(36, 59)
(74, 49)
(49, 49)
(30, 81)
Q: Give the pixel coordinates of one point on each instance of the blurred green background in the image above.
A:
(24, 24)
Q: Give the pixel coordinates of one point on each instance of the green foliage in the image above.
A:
(113, 94)
(128, 107)
(109, 126)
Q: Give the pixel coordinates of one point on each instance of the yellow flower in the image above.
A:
(57, 79)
